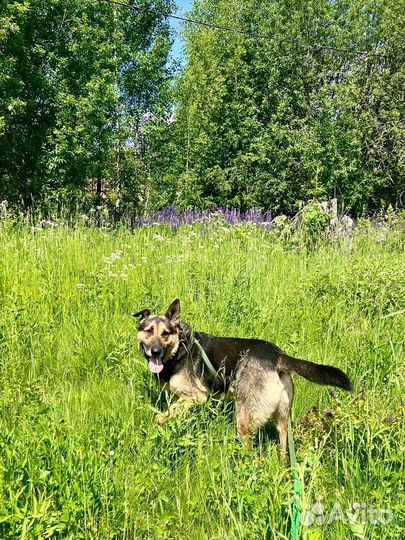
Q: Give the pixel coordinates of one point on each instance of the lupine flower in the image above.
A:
(175, 218)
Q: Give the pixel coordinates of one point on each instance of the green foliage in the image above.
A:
(272, 122)
(92, 112)
(76, 78)
(80, 455)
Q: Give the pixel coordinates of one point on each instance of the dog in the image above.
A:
(256, 373)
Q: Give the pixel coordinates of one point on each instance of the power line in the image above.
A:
(244, 33)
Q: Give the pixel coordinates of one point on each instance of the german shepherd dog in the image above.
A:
(254, 372)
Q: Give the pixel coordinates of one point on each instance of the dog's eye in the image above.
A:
(165, 333)
(149, 331)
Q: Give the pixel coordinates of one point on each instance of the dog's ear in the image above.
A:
(143, 314)
(173, 313)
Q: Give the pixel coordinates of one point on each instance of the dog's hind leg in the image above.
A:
(261, 399)
(258, 396)
(245, 425)
(283, 410)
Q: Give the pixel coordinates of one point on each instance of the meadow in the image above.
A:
(80, 455)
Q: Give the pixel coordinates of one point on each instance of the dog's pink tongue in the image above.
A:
(155, 365)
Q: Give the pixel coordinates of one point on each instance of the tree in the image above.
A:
(83, 74)
(271, 122)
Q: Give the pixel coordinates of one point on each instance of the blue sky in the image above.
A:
(182, 7)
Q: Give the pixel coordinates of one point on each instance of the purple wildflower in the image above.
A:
(333, 393)
(175, 218)
(390, 419)
(328, 414)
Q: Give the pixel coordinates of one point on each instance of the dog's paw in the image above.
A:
(161, 419)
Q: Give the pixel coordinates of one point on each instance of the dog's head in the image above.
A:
(158, 336)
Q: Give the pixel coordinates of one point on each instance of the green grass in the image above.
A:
(80, 456)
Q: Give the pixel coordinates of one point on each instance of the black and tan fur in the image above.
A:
(254, 372)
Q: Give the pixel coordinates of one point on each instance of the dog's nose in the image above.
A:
(156, 351)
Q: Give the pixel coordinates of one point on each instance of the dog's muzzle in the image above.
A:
(154, 355)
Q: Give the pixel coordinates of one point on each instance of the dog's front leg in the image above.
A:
(189, 392)
(179, 407)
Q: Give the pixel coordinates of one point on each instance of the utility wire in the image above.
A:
(244, 33)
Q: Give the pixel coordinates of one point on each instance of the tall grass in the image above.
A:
(80, 456)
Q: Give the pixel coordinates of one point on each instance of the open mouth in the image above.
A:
(155, 365)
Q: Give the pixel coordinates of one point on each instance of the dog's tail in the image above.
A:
(317, 373)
